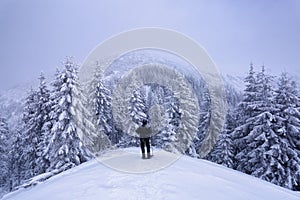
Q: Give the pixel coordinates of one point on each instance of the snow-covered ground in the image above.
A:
(185, 178)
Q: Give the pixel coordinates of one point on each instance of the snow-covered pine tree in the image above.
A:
(248, 105)
(128, 141)
(163, 115)
(265, 91)
(44, 123)
(4, 155)
(16, 162)
(138, 112)
(296, 121)
(260, 157)
(137, 107)
(157, 113)
(99, 141)
(91, 135)
(54, 98)
(65, 148)
(224, 150)
(266, 151)
(168, 135)
(173, 111)
(31, 136)
(289, 102)
(195, 146)
(187, 129)
(35, 118)
(288, 118)
(103, 112)
(203, 95)
(246, 109)
(253, 105)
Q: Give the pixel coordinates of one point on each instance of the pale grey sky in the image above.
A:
(36, 35)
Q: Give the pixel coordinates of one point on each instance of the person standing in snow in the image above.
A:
(145, 133)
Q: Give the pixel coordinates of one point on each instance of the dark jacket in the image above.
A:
(144, 132)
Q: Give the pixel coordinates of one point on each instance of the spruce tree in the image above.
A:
(288, 117)
(65, 148)
(257, 99)
(168, 135)
(4, 154)
(36, 121)
(16, 164)
(224, 150)
(93, 112)
(137, 107)
(246, 109)
(102, 107)
(138, 112)
(288, 101)
(267, 153)
(247, 105)
(31, 136)
(44, 124)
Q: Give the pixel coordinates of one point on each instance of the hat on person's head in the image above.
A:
(144, 122)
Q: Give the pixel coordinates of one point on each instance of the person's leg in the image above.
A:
(142, 145)
(143, 148)
(148, 146)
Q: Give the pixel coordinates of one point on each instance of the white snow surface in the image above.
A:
(186, 178)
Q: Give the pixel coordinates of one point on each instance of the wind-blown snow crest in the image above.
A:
(187, 178)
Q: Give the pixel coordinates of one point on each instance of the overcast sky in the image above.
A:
(36, 35)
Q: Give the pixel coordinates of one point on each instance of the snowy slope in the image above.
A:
(186, 178)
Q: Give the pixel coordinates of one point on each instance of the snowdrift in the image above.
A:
(184, 178)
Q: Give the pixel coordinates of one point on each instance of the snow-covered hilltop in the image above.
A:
(187, 178)
(65, 122)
